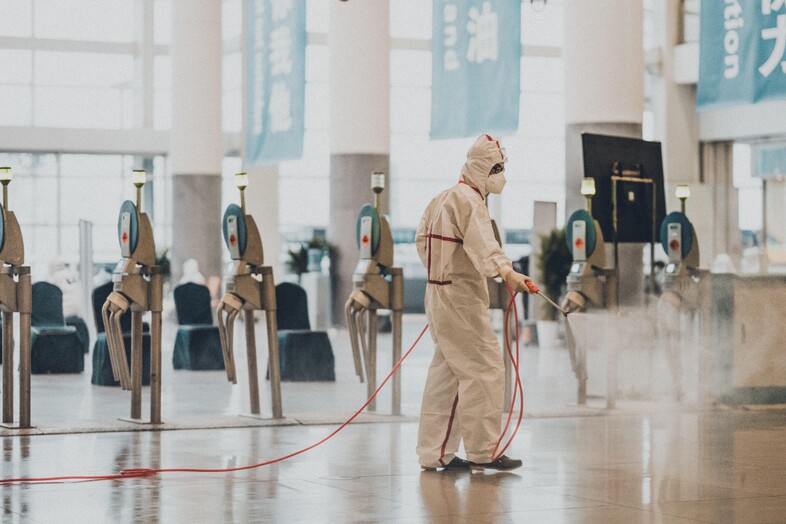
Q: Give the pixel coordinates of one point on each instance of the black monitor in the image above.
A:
(628, 159)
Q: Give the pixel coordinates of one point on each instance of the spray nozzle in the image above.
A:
(532, 287)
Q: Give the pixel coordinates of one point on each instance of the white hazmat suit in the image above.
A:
(465, 385)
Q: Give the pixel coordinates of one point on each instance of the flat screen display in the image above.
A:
(606, 156)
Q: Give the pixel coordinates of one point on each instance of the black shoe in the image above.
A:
(503, 463)
(457, 464)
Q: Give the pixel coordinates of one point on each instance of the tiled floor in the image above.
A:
(647, 461)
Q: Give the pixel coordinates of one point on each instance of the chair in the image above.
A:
(81, 328)
(305, 355)
(102, 366)
(197, 343)
(54, 347)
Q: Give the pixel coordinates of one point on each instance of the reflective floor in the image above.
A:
(646, 461)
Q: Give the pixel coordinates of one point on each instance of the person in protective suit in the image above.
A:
(464, 390)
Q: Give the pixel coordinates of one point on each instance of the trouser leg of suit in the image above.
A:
(468, 363)
(439, 434)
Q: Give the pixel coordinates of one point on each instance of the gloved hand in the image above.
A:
(520, 283)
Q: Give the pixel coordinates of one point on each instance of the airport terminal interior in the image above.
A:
(212, 294)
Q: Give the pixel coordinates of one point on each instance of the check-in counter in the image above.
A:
(747, 350)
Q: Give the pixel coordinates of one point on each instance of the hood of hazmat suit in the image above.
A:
(483, 154)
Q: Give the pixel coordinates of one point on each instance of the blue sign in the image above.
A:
(770, 162)
(476, 63)
(741, 52)
(276, 80)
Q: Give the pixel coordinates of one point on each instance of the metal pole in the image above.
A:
(396, 401)
(155, 367)
(371, 384)
(251, 358)
(136, 364)
(86, 267)
(274, 363)
(24, 302)
(156, 307)
(8, 367)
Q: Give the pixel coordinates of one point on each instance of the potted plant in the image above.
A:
(553, 263)
(316, 250)
(298, 260)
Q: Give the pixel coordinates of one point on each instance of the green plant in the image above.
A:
(298, 259)
(553, 263)
(162, 259)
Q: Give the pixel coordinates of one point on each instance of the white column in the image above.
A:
(604, 94)
(196, 139)
(359, 41)
(603, 62)
(262, 204)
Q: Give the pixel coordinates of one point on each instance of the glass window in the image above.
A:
(232, 100)
(54, 68)
(542, 27)
(16, 105)
(93, 20)
(749, 189)
(542, 74)
(410, 109)
(78, 107)
(17, 18)
(16, 66)
(162, 22)
(317, 64)
(162, 89)
(410, 67)
(317, 16)
(298, 194)
(317, 109)
(232, 19)
(410, 19)
(542, 115)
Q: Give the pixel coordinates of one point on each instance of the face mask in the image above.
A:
(495, 183)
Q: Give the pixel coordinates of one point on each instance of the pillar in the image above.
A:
(196, 139)
(262, 204)
(359, 41)
(604, 87)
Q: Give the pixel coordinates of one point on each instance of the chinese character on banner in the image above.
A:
(483, 35)
(742, 58)
(475, 67)
(275, 89)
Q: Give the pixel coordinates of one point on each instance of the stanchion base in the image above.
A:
(14, 425)
(259, 417)
(138, 421)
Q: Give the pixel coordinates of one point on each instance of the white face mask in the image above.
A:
(495, 183)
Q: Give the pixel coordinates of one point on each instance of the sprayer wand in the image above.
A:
(535, 290)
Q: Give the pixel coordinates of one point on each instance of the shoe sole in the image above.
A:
(424, 468)
(484, 468)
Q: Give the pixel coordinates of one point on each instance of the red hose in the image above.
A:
(151, 472)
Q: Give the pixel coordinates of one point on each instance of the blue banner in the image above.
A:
(741, 52)
(276, 80)
(476, 63)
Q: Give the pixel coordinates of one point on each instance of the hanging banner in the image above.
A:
(276, 80)
(741, 52)
(476, 63)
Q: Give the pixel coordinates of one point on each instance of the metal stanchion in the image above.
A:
(378, 285)
(250, 287)
(138, 287)
(15, 297)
